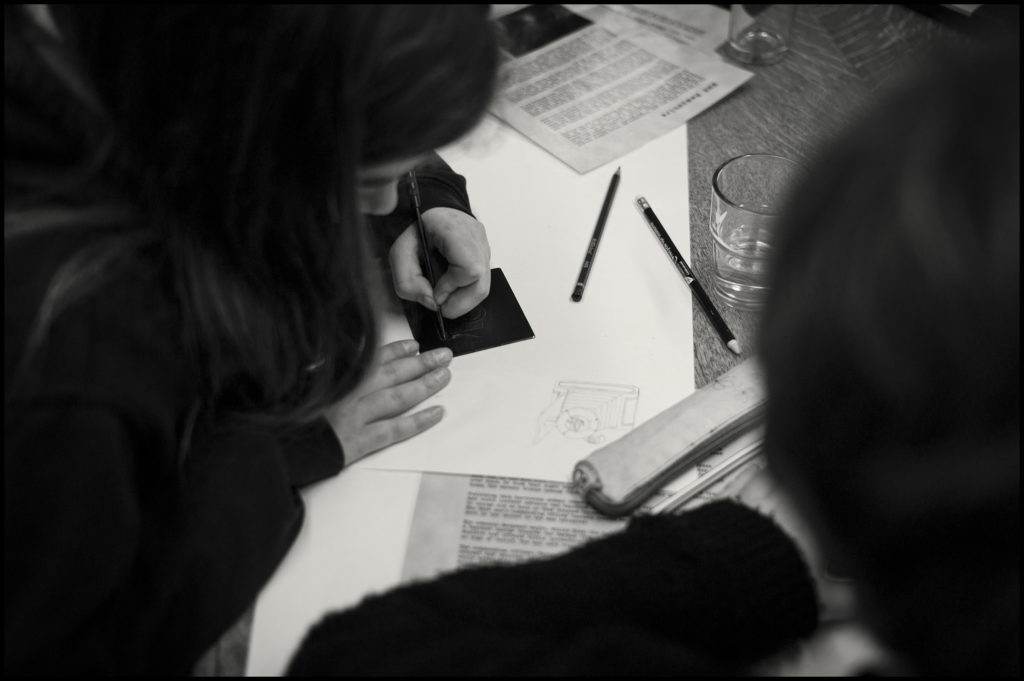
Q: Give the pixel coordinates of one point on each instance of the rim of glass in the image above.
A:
(718, 192)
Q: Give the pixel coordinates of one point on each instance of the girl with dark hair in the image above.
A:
(190, 294)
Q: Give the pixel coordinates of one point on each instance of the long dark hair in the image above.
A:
(233, 133)
(891, 345)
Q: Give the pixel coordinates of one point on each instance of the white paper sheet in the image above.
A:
(702, 27)
(463, 520)
(590, 83)
(596, 368)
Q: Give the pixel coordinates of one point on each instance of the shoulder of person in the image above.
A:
(83, 328)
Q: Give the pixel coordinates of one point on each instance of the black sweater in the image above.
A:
(120, 555)
(709, 592)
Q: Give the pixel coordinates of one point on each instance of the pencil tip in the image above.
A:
(734, 345)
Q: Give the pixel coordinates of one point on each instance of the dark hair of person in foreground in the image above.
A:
(891, 346)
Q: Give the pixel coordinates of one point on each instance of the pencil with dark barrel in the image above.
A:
(414, 189)
(595, 240)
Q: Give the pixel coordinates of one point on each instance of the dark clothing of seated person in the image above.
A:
(189, 288)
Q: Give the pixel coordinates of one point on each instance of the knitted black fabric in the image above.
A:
(710, 591)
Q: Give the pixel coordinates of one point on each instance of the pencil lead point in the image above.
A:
(734, 345)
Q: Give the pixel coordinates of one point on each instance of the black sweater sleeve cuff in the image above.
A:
(312, 452)
(440, 187)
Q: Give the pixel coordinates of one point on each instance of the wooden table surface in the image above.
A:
(841, 58)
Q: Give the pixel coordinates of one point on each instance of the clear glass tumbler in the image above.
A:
(760, 34)
(747, 193)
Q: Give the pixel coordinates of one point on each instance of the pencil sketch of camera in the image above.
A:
(589, 411)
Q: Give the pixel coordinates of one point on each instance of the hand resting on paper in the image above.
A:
(373, 416)
(462, 240)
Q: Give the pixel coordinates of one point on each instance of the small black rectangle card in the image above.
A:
(498, 320)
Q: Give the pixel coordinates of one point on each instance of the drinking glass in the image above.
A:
(760, 34)
(747, 193)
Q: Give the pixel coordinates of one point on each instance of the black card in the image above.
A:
(498, 320)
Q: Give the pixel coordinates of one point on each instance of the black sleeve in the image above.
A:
(440, 187)
(118, 560)
(709, 591)
(313, 452)
(136, 529)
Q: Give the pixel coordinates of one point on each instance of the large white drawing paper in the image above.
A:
(595, 368)
(590, 83)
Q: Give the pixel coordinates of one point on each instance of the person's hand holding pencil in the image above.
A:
(459, 286)
(461, 240)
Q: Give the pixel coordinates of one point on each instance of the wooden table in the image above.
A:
(841, 58)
